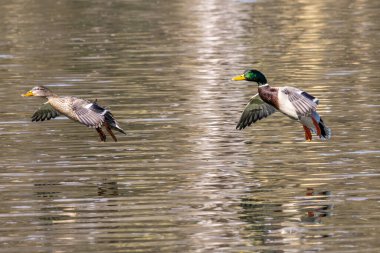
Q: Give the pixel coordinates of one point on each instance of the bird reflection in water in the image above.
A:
(108, 189)
(319, 206)
(286, 222)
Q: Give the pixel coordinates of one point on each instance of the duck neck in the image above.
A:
(51, 95)
(263, 85)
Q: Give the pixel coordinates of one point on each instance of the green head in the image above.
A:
(252, 75)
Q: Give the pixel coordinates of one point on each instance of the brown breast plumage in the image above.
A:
(64, 105)
(269, 95)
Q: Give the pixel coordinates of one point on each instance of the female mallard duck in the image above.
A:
(83, 111)
(292, 102)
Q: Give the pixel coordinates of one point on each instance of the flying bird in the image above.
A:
(83, 111)
(294, 103)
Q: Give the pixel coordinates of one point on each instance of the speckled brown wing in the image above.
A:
(303, 102)
(88, 114)
(255, 110)
(45, 112)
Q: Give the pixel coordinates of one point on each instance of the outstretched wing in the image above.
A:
(303, 102)
(46, 111)
(255, 110)
(89, 113)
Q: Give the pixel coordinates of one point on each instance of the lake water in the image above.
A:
(183, 179)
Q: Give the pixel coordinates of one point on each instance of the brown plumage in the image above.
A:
(83, 111)
(269, 95)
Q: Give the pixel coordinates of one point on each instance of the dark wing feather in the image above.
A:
(255, 110)
(303, 102)
(108, 117)
(45, 112)
(88, 113)
(310, 97)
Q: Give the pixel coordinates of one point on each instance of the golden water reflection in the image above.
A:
(183, 179)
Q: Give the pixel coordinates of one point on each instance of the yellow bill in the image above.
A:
(28, 94)
(238, 78)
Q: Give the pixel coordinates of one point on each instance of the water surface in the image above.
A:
(183, 179)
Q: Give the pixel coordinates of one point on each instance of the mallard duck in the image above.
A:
(294, 103)
(83, 111)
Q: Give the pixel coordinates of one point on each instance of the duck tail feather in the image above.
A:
(325, 131)
(108, 117)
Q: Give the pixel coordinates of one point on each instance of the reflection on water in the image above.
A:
(287, 223)
(183, 179)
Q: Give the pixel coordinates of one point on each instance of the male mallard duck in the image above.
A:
(294, 103)
(83, 111)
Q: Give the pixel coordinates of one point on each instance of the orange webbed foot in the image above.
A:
(109, 130)
(307, 133)
(101, 134)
